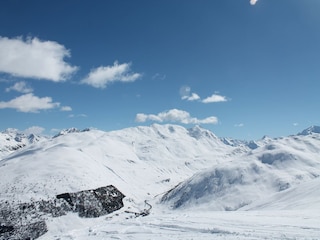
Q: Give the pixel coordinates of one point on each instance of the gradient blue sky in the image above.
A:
(240, 69)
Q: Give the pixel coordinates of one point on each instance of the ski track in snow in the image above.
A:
(199, 225)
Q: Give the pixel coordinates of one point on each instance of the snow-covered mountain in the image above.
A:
(278, 166)
(311, 130)
(167, 166)
(12, 140)
(70, 130)
(141, 162)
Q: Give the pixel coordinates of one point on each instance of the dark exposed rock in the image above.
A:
(29, 231)
(27, 220)
(66, 197)
(6, 229)
(70, 130)
(96, 202)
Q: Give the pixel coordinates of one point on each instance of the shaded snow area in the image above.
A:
(280, 165)
(178, 183)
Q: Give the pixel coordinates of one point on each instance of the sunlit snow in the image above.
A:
(199, 186)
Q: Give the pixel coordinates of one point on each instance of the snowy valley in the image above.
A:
(193, 184)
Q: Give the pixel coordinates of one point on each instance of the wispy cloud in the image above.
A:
(34, 58)
(295, 124)
(66, 109)
(30, 103)
(4, 80)
(215, 98)
(175, 115)
(77, 115)
(102, 76)
(21, 87)
(34, 130)
(192, 97)
(253, 2)
(239, 125)
(186, 94)
(159, 76)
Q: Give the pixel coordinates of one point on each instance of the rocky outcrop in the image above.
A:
(94, 203)
(27, 220)
(27, 231)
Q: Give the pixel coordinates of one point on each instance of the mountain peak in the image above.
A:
(11, 131)
(197, 132)
(12, 139)
(70, 130)
(310, 130)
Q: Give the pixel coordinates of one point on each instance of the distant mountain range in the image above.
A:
(12, 139)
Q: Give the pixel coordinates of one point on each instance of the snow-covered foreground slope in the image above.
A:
(186, 224)
(274, 186)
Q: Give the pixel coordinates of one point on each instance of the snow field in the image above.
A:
(199, 186)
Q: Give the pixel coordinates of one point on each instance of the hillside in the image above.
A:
(278, 166)
(135, 160)
(174, 172)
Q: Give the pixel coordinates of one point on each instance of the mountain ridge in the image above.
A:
(165, 171)
(172, 153)
(13, 139)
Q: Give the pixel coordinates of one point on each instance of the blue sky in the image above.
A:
(241, 69)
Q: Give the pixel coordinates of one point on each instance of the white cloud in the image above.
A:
(295, 124)
(185, 93)
(79, 115)
(159, 76)
(34, 130)
(175, 115)
(239, 125)
(30, 103)
(215, 98)
(21, 87)
(253, 2)
(192, 97)
(33, 58)
(66, 108)
(100, 77)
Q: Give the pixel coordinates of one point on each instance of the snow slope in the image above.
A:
(305, 196)
(140, 162)
(273, 185)
(187, 224)
(278, 165)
